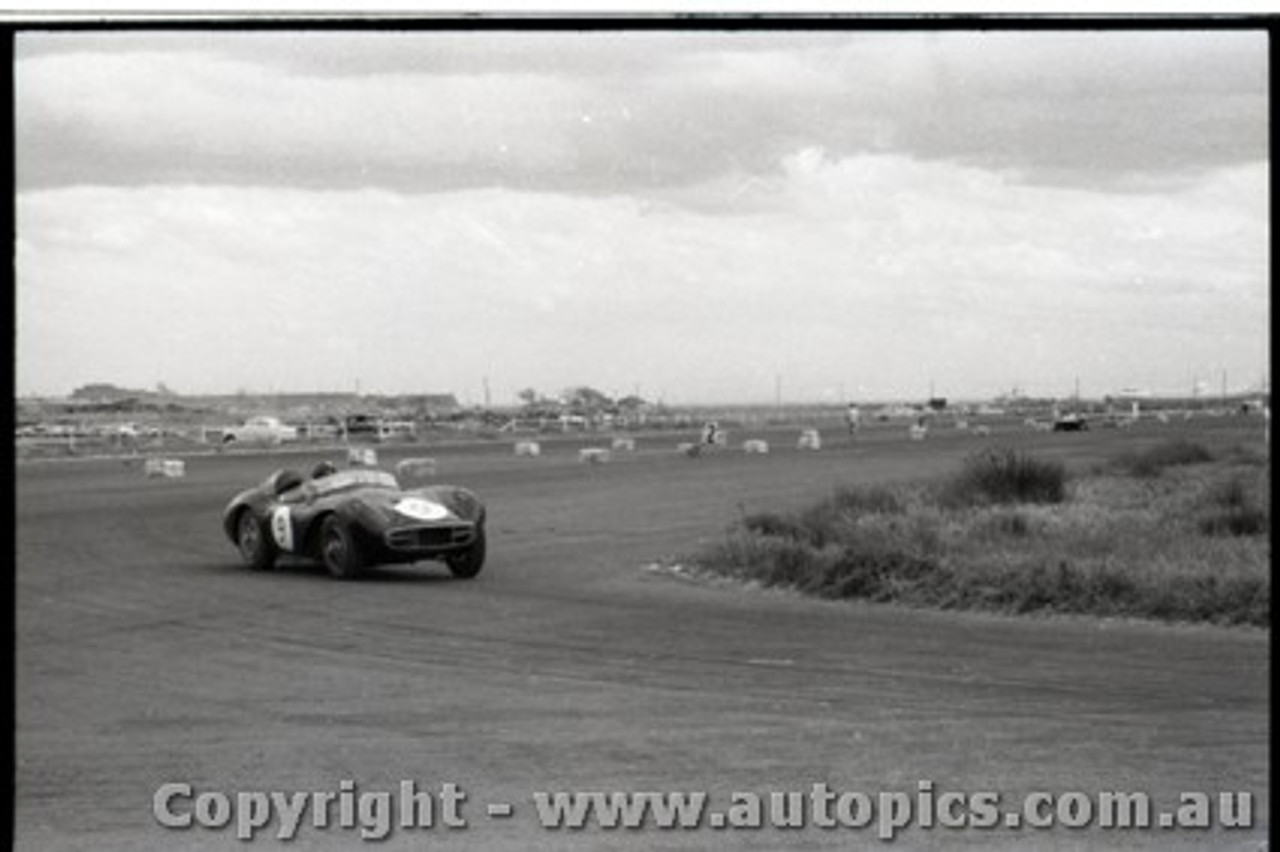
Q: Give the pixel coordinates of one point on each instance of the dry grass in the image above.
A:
(1192, 544)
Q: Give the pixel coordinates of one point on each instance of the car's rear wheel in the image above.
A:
(338, 550)
(468, 563)
(256, 547)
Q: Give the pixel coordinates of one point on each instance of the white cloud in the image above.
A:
(875, 272)
(628, 112)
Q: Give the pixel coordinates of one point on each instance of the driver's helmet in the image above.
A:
(323, 469)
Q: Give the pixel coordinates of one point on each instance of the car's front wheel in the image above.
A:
(468, 563)
(338, 550)
(256, 548)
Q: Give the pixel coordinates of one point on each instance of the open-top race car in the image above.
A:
(354, 518)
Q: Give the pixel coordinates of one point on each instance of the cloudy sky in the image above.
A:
(690, 215)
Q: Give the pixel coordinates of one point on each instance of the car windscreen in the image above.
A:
(353, 479)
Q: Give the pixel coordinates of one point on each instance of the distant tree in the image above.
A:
(529, 397)
(585, 399)
(632, 403)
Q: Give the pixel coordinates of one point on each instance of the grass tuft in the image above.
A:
(1233, 511)
(1002, 475)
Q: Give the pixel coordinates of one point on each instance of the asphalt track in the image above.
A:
(146, 654)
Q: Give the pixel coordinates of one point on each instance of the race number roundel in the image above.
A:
(423, 510)
(282, 527)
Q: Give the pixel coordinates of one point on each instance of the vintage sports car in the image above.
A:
(353, 518)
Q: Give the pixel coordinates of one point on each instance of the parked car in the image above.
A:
(1071, 423)
(260, 430)
(354, 518)
(367, 426)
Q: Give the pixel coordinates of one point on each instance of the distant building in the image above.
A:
(103, 393)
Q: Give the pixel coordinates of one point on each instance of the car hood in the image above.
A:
(436, 504)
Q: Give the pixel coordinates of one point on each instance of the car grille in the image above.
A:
(429, 538)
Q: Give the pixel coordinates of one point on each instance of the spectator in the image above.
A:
(854, 418)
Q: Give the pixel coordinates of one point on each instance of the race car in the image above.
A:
(351, 519)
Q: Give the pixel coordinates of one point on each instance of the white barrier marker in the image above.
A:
(981, 430)
(689, 448)
(809, 440)
(593, 455)
(528, 448)
(755, 447)
(918, 432)
(627, 444)
(165, 468)
(362, 456)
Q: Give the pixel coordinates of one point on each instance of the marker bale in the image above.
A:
(809, 440)
(415, 470)
(593, 455)
(690, 449)
(362, 457)
(156, 468)
(755, 447)
(962, 425)
(528, 448)
(918, 432)
(625, 444)
(1162, 417)
(982, 430)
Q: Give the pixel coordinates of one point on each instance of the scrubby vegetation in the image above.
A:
(1172, 453)
(1005, 476)
(1011, 533)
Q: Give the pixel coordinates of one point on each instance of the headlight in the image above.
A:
(421, 509)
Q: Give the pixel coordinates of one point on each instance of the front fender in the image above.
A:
(462, 502)
(251, 501)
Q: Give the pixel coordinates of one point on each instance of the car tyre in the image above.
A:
(338, 549)
(256, 547)
(468, 563)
